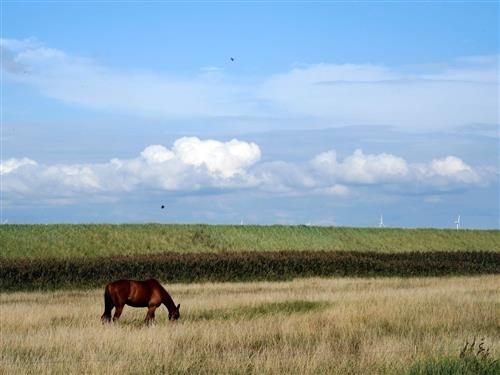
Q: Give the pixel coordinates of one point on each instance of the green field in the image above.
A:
(37, 241)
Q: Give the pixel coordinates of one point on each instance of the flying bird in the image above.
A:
(232, 58)
(162, 206)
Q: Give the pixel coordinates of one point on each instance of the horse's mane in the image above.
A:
(165, 294)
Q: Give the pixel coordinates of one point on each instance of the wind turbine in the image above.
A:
(457, 222)
(381, 223)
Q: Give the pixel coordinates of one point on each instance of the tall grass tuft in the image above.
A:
(473, 360)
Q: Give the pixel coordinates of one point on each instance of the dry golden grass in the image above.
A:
(343, 326)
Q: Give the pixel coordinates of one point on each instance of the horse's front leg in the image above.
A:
(150, 316)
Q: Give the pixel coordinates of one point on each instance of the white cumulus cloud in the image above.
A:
(449, 166)
(450, 169)
(157, 154)
(191, 164)
(225, 158)
(361, 168)
(10, 165)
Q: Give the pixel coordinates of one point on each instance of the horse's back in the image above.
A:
(118, 284)
(136, 293)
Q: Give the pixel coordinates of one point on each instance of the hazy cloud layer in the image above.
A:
(84, 82)
(459, 92)
(192, 164)
(368, 94)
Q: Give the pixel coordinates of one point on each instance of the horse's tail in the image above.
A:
(108, 305)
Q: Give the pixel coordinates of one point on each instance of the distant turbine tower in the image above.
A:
(241, 223)
(381, 224)
(457, 222)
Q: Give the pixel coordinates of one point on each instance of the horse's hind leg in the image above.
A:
(118, 312)
(108, 306)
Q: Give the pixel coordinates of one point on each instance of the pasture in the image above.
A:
(304, 326)
(92, 240)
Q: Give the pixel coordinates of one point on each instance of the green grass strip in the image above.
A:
(82, 240)
(257, 311)
(456, 366)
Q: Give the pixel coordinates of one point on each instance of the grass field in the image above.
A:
(305, 326)
(104, 239)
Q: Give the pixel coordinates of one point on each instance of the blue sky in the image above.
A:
(331, 113)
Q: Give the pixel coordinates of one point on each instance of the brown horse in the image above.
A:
(147, 293)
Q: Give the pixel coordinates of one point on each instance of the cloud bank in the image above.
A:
(459, 92)
(192, 164)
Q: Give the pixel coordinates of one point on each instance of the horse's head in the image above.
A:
(174, 315)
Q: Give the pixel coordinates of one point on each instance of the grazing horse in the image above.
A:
(147, 293)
